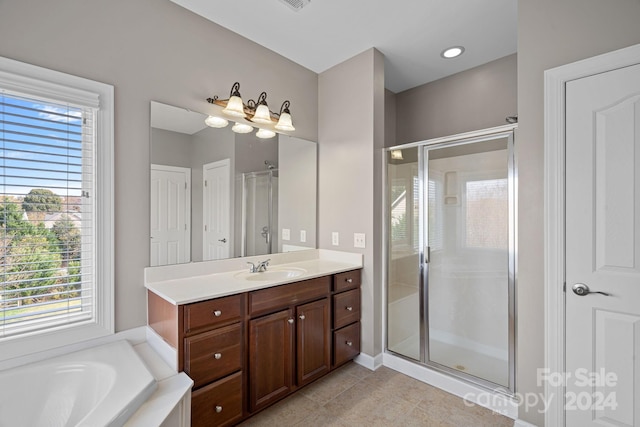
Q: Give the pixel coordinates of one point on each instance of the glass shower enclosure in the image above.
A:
(450, 213)
(259, 212)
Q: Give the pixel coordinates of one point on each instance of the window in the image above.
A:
(487, 214)
(56, 146)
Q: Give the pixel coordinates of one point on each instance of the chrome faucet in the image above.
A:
(259, 267)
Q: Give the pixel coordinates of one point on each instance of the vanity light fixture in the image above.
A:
(452, 52)
(265, 133)
(234, 106)
(262, 114)
(268, 122)
(216, 122)
(242, 128)
(284, 123)
(396, 154)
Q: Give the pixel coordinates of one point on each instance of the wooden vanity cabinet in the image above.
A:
(213, 357)
(291, 347)
(346, 317)
(246, 351)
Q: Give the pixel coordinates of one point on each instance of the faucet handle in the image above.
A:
(253, 268)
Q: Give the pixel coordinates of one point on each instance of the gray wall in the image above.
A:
(550, 33)
(479, 98)
(149, 50)
(297, 205)
(170, 148)
(346, 177)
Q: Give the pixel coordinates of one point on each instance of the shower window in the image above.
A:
(486, 214)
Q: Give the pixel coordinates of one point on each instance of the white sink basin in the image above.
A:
(272, 274)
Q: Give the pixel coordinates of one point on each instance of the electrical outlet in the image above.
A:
(286, 234)
(303, 236)
(335, 238)
(359, 240)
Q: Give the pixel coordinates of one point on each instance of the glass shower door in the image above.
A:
(404, 291)
(469, 258)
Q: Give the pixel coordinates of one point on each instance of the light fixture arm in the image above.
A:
(262, 99)
(235, 90)
(285, 108)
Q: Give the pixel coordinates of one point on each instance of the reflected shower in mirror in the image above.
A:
(216, 194)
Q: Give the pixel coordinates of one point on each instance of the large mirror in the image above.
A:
(216, 194)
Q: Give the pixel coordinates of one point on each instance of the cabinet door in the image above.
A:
(270, 358)
(313, 340)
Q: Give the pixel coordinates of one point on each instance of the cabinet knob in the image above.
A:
(290, 321)
(348, 308)
(217, 313)
(218, 409)
(349, 280)
(302, 317)
(349, 343)
(217, 356)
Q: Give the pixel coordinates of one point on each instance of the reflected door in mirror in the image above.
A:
(170, 215)
(217, 208)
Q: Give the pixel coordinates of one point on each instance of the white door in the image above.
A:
(170, 215)
(602, 359)
(216, 210)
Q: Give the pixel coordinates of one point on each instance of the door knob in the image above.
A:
(223, 240)
(581, 289)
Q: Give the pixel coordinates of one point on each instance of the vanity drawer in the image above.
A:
(346, 344)
(278, 297)
(218, 404)
(206, 314)
(346, 280)
(212, 355)
(346, 308)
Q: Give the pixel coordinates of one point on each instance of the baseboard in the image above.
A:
(369, 362)
(520, 423)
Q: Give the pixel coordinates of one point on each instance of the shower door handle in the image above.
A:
(427, 254)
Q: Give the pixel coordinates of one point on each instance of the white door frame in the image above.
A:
(554, 212)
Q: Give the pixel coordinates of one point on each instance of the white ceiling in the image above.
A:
(176, 119)
(410, 33)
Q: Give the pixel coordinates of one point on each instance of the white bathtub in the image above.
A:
(99, 386)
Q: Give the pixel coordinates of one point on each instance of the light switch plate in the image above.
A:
(359, 240)
(303, 236)
(335, 238)
(286, 234)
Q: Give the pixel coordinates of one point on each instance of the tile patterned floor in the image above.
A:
(355, 396)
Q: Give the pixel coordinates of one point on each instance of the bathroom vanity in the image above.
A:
(249, 339)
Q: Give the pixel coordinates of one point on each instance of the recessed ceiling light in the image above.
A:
(452, 52)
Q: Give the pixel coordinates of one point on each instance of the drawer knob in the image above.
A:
(218, 409)
(349, 343)
(302, 317)
(290, 321)
(349, 280)
(217, 313)
(217, 356)
(348, 308)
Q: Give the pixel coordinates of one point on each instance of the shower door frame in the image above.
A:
(507, 131)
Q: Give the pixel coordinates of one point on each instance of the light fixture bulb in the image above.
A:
(396, 154)
(215, 122)
(265, 133)
(452, 52)
(241, 128)
(262, 114)
(234, 107)
(285, 123)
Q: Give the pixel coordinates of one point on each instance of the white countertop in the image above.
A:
(215, 279)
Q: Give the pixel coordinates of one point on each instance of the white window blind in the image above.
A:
(47, 225)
